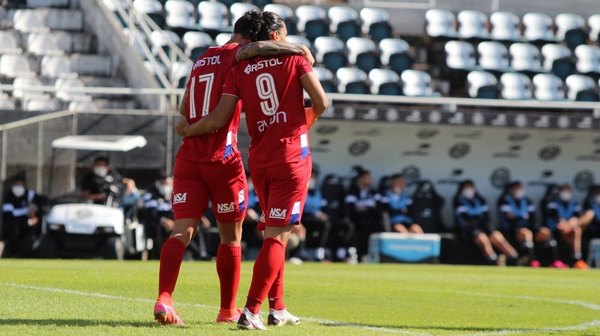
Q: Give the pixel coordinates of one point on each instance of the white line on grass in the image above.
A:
(125, 298)
(578, 327)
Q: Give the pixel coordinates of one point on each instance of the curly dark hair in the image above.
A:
(250, 25)
(271, 23)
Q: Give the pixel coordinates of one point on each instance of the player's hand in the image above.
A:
(182, 127)
(308, 55)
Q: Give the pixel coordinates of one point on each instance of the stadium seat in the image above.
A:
(64, 83)
(8, 43)
(394, 54)
(238, 9)
(22, 83)
(493, 56)
(440, 23)
(179, 73)
(460, 55)
(352, 80)
(161, 38)
(299, 40)
(311, 21)
(12, 66)
(213, 15)
(588, 59)
(196, 43)
(29, 21)
(594, 25)
(416, 83)
(557, 59)
(375, 23)
(472, 24)
(43, 103)
(538, 27)
(581, 88)
(180, 15)
(55, 66)
(385, 82)
(525, 57)
(343, 22)
(505, 26)
(515, 86)
(222, 38)
(83, 106)
(330, 51)
(571, 29)
(482, 84)
(261, 3)
(6, 103)
(43, 44)
(153, 9)
(326, 78)
(548, 87)
(362, 52)
(286, 13)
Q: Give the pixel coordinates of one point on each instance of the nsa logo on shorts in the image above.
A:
(225, 207)
(277, 213)
(180, 198)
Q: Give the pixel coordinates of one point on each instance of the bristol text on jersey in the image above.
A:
(262, 64)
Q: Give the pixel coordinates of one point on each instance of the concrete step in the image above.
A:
(89, 64)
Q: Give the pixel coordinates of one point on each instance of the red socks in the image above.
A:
(266, 268)
(229, 259)
(171, 256)
(276, 292)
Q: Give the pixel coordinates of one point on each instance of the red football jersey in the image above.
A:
(273, 99)
(205, 87)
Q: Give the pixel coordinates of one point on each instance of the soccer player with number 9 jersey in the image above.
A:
(271, 89)
(209, 167)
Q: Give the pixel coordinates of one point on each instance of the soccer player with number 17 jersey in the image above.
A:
(209, 167)
(279, 159)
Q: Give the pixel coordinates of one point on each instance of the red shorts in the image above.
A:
(224, 184)
(281, 191)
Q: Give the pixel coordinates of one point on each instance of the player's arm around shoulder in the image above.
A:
(211, 122)
(273, 48)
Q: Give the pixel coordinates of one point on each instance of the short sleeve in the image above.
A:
(302, 66)
(231, 83)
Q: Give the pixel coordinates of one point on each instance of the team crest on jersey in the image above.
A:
(295, 216)
(179, 198)
(277, 213)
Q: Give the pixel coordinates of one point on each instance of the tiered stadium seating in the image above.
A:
(46, 45)
(546, 51)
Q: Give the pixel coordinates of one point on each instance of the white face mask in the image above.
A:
(565, 196)
(164, 189)
(469, 193)
(312, 184)
(101, 171)
(18, 190)
(520, 193)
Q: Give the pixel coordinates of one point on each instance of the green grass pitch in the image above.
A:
(93, 297)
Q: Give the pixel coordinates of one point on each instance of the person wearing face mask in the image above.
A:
(471, 214)
(96, 185)
(518, 222)
(363, 210)
(21, 219)
(562, 219)
(314, 218)
(398, 204)
(156, 212)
